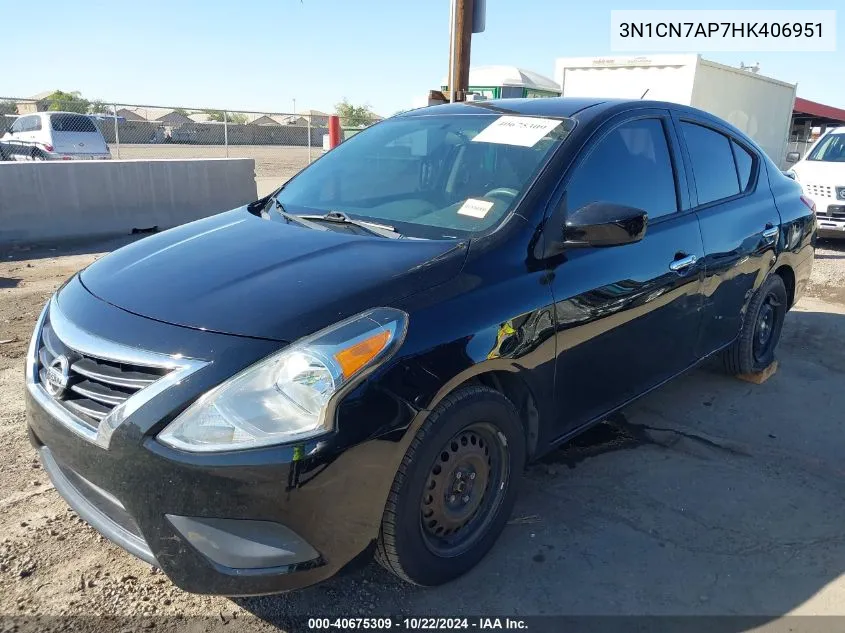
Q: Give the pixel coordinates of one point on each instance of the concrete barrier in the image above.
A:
(73, 199)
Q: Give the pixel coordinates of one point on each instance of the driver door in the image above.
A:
(627, 317)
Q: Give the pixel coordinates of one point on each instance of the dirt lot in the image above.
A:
(274, 164)
(710, 496)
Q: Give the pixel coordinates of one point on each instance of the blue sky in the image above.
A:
(262, 54)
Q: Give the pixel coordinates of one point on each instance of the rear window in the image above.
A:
(72, 123)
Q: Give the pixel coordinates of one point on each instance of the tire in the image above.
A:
(754, 349)
(460, 428)
(37, 155)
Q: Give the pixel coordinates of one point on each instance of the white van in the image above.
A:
(822, 176)
(55, 136)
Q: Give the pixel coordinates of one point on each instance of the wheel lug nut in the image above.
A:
(472, 475)
(458, 475)
(466, 498)
(452, 498)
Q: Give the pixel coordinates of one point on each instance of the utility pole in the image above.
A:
(467, 17)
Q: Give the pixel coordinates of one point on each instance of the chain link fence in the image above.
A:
(281, 143)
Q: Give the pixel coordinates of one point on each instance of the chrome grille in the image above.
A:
(89, 384)
(95, 386)
(833, 212)
(819, 190)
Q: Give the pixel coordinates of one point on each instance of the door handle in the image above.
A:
(683, 262)
(771, 231)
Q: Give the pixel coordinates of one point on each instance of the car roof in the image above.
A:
(580, 107)
(52, 112)
(554, 107)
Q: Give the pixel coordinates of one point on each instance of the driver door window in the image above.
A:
(630, 166)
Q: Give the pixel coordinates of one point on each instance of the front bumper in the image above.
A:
(830, 216)
(239, 523)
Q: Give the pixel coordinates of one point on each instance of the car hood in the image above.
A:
(237, 273)
(817, 172)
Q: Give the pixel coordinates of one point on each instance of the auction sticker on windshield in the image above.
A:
(475, 208)
(517, 130)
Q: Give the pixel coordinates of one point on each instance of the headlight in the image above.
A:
(840, 193)
(285, 397)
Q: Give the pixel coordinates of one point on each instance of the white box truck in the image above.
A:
(759, 106)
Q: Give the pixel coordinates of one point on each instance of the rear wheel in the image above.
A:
(37, 155)
(455, 488)
(754, 350)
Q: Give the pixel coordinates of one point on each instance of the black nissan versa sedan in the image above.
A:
(364, 361)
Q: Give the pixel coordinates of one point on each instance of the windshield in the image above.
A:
(438, 176)
(831, 149)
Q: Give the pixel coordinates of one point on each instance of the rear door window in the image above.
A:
(71, 123)
(712, 163)
(630, 166)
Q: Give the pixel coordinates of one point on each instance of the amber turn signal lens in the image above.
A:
(355, 357)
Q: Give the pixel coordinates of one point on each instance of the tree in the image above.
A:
(354, 116)
(98, 106)
(235, 118)
(8, 107)
(67, 102)
(181, 111)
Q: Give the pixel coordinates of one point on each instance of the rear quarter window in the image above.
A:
(71, 123)
(744, 165)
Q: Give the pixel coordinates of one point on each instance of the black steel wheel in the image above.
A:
(466, 485)
(754, 349)
(768, 319)
(455, 488)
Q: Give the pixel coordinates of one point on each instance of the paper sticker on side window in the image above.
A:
(517, 130)
(475, 208)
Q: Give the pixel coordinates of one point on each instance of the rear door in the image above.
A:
(76, 134)
(740, 224)
(627, 316)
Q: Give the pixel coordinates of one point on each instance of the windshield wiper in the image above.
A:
(296, 219)
(338, 217)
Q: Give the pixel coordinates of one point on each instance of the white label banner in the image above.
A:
(723, 30)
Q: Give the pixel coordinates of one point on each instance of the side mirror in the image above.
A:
(604, 224)
(793, 157)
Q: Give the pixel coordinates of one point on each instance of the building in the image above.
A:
(129, 114)
(810, 120)
(35, 103)
(503, 82)
(318, 119)
(279, 119)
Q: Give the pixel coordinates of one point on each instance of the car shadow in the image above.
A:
(9, 282)
(709, 496)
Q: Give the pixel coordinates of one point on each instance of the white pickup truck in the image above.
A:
(822, 176)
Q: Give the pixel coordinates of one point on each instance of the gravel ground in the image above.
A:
(828, 280)
(729, 504)
(274, 164)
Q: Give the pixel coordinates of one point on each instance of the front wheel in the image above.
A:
(454, 491)
(754, 350)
